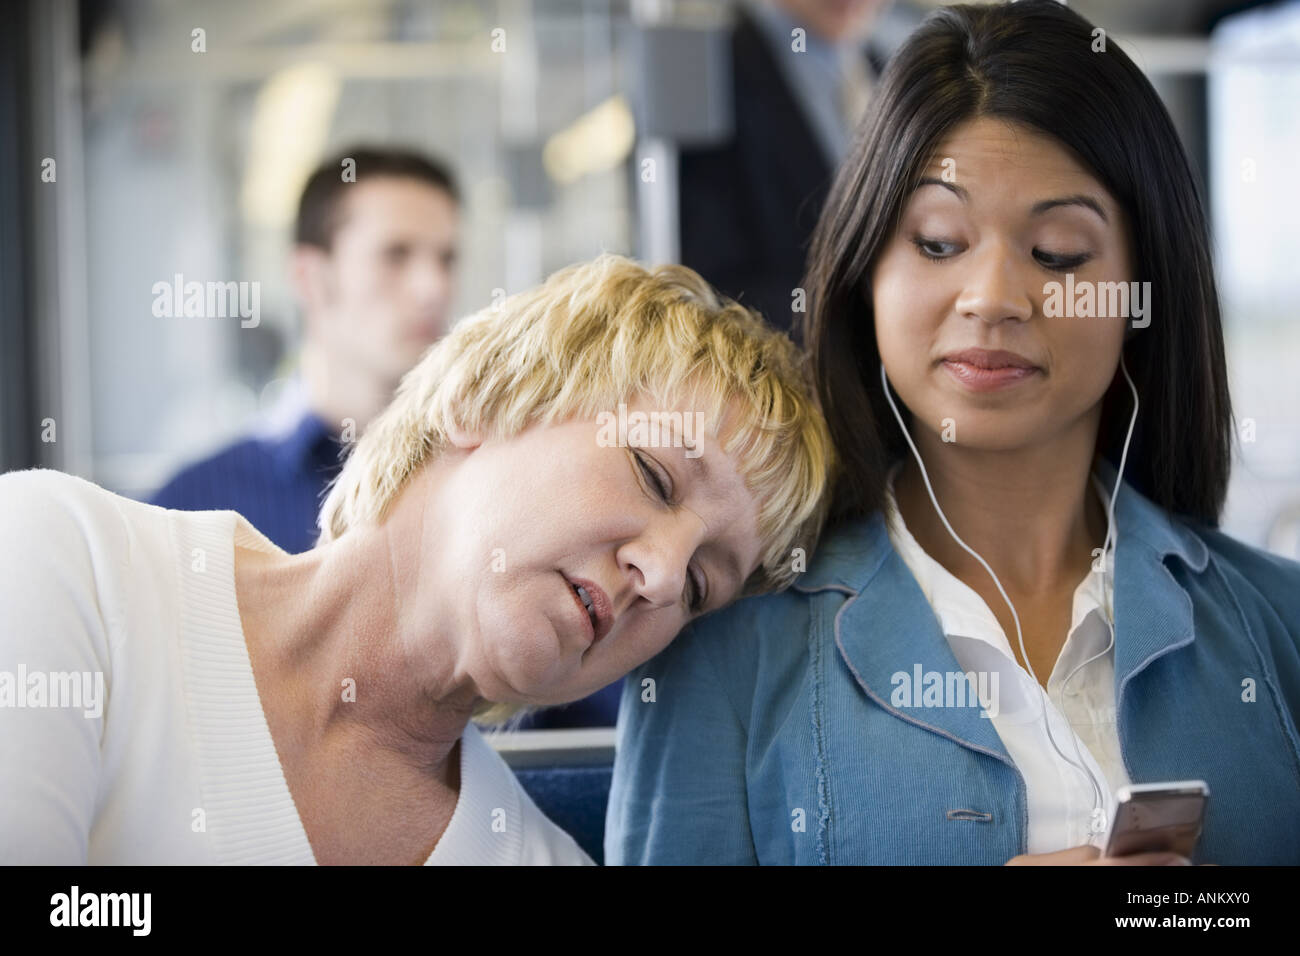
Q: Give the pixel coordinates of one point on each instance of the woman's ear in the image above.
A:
(463, 438)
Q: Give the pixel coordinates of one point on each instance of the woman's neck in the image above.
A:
(336, 671)
(1030, 513)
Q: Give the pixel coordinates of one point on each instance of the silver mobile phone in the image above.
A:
(1158, 817)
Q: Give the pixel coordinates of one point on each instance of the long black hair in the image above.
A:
(1039, 64)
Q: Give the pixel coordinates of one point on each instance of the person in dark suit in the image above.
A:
(801, 76)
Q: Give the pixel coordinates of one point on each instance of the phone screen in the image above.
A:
(1157, 822)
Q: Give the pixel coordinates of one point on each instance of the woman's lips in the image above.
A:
(980, 370)
(600, 626)
(587, 626)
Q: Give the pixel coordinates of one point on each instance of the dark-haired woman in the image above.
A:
(1024, 604)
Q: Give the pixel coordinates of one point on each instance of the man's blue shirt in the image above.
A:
(276, 482)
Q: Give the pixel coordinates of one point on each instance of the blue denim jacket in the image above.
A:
(771, 737)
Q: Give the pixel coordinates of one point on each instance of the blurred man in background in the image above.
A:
(373, 268)
(748, 206)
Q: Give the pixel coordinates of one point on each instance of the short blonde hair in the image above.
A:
(592, 336)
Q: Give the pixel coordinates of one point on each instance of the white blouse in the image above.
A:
(1061, 797)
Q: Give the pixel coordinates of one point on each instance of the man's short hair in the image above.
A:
(322, 197)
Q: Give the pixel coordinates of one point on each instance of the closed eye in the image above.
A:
(697, 584)
(662, 486)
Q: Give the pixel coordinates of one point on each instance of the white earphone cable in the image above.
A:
(1111, 540)
(1015, 617)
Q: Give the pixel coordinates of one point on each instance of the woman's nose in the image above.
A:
(996, 286)
(660, 559)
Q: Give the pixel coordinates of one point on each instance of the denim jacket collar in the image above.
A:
(885, 626)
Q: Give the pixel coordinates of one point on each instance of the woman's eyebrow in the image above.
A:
(1037, 209)
(1079, 200)
(956, 190)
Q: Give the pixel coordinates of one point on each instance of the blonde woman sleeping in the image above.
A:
(488, 548)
